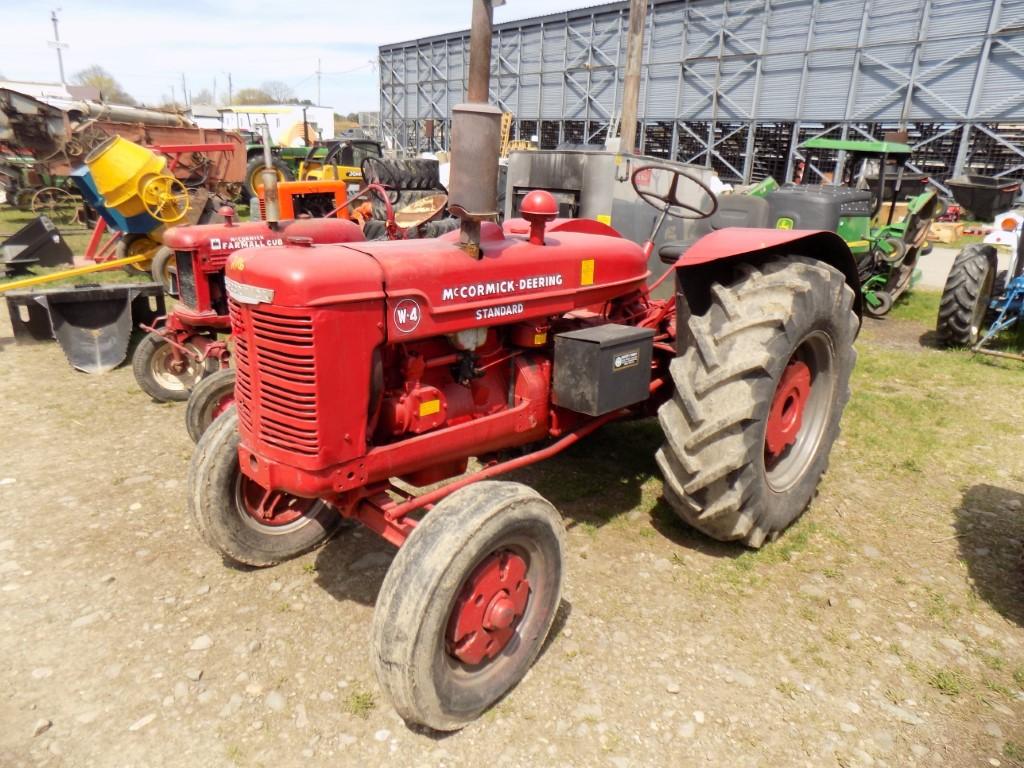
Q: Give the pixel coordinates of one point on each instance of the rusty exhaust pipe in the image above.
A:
(271, 201)
(476, 138)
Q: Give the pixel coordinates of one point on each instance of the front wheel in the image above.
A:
(245, 522)
(966, 296)
(758, 399)
(210, 399)
(162, 377)
(467, 603)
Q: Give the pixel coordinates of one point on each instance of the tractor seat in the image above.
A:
(733, 211)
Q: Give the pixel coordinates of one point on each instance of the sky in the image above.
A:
(148, 45)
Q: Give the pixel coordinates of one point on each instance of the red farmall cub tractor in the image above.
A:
(374, 363)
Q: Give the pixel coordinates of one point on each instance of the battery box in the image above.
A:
(602, 369)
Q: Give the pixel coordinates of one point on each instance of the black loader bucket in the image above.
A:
(37, 243)
(984, 196)
(94, 323)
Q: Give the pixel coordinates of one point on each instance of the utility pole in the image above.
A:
(231, 95)
(56, 43)
(184, 91)
(318, 73)
(631, 86)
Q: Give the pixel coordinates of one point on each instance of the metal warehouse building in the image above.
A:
(739, 84)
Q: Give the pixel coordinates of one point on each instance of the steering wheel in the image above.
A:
(669, 203)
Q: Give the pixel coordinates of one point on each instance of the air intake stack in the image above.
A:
(476, 138)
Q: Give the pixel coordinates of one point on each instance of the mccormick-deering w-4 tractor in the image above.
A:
(365, 364)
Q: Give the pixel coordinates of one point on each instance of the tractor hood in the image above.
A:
(225, 237)
(433, 287)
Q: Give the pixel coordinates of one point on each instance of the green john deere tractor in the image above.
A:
(886, 245)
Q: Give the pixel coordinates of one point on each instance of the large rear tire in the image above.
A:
(241, 520)
(966, 296)
(254, 179)
(758, 399)
(467, 603)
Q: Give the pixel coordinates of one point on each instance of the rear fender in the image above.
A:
(712, 258)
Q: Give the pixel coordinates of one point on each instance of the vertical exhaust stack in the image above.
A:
(272, 204)
(476, 138)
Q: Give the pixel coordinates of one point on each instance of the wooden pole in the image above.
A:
(634, 63)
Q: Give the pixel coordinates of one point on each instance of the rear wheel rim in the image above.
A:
(799, 412)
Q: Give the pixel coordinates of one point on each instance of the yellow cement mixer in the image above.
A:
(135, 182)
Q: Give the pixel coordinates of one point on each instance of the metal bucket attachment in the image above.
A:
(37, 243)
(94, 323)
(29, 320)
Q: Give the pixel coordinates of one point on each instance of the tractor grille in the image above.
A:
(276, 377)
(186, 279)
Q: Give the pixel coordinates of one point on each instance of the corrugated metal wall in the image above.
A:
(744, 77)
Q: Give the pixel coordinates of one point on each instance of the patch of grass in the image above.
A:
(787, 689)
(948, 682)
(999, 688)
(938, 607)
(1018, 676)
(234, 753)
(1014, 751)
(893, 696)
(309, 568)
(832, 573)
(917, 305)
(992, 661)
(360, 703)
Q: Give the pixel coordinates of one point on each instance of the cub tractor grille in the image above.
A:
(276, 377)
(186, 279)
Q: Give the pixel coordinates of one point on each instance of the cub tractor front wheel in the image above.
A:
(467, 603)
(210, 399)
(245, 522)
(966, 296)
(758, 399)
(161, 376)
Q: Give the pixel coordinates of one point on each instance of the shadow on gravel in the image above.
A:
(930, 339)
(990, 532)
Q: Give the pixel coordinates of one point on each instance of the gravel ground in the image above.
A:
(886, 628)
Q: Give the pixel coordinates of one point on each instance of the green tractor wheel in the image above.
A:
(254, 178)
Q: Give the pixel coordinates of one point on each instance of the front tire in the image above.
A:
(966, 296)
(152, 364)
(758, 399)
(467, 603)
(239, 518)
(210, 399)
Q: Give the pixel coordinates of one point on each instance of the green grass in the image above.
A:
(948, 682)
(1014, 751)
(11, 220)
(919, 306)
(360, 703)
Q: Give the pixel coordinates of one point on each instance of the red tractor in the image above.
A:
(186, 347)
(184, 356)
(364, 370)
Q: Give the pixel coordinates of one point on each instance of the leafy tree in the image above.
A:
(110, 90)
(203, 97)
(252, 96)
(279, 92)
